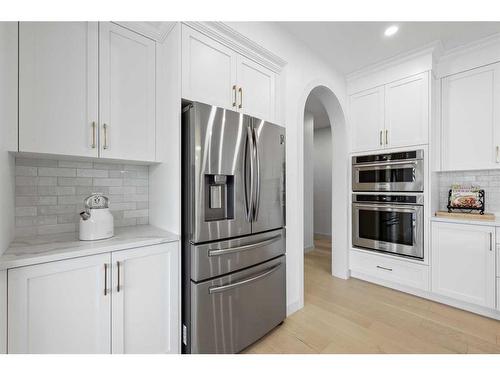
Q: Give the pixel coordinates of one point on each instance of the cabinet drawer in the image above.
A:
(391, 270)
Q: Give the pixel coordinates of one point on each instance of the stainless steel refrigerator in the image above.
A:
(233, 219)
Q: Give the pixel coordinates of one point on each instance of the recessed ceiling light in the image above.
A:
(391, 30)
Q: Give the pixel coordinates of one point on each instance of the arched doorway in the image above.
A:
(340, 179)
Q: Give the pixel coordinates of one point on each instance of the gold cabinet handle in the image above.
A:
(241, 97)
(105, 279)
(234, 96)
(118, 281)
(380, 138)
(386, 136)
(93, 145)
(105, 129)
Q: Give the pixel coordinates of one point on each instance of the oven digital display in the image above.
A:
(387, 175)
(392, 227)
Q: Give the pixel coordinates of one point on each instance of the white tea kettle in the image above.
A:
(96, 222)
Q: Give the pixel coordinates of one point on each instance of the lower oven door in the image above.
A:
(231, 312)
(389, 228)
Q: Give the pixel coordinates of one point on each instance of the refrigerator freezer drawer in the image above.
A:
(230, 313)
(219, 258)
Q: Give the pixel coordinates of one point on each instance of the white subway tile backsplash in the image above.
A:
(25, 211)
(50, 193)
(74, 164)
(32, 162)
(136, 213)
(108, 182)
(92, 173)
(26, 171)
(74, 181)
(57, 172)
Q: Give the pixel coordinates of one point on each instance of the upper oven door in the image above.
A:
(388, 176)
(390, 228)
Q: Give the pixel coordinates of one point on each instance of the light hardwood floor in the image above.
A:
(353, 316)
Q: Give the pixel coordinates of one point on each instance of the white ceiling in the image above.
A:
(350, 46)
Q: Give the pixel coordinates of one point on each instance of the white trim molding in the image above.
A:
(157, 31)
(433, 49)
(239, 43)
(478, 53)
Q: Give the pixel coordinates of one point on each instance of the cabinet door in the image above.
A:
(60, 307)
(256, 89)
(463, 262)
(470, 119)
(407, 111)
(127, 93)
(58, 95)
(146, 300)
(367, 119)
(208, 70)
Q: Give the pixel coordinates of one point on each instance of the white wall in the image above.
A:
(322, 181)
(8, 128)
(304, 72)
(308, 181)
(165, 178)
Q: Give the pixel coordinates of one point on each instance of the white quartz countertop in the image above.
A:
(487, 223)
(48, 248)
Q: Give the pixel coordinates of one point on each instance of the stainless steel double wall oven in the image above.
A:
(233, 197)
(388, 203)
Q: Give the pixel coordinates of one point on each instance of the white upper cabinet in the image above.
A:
(367, 119)
(58, 87)
(146, 300)
(215, 74)
(60, 307)
(407, 111)
(390, 116)
(256, 89)
(471, 119)
(463, 262)
(86, 89)
(126, 93)
(208, 70)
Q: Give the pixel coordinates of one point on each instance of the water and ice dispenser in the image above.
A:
(219, 197)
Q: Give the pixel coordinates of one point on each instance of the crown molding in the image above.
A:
(240, 43)
(435, 49)
(471, 47)
(157, 31)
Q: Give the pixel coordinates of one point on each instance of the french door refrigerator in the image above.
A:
(233, 228)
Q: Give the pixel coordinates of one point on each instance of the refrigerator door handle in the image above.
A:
(231, 250)
(223, 288)
(257, 189)
(249, 200)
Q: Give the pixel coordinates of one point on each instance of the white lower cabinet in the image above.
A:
(60, 307)
(498, 293)
(463, 263)
(90, 305)
(374, 267)
(146, 300)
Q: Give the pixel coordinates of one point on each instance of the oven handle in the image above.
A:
(223, 288)
(403, 208)
(371, 165)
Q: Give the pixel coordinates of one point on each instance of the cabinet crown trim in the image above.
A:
(434, 48)
(239, 43)
(157, 31)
